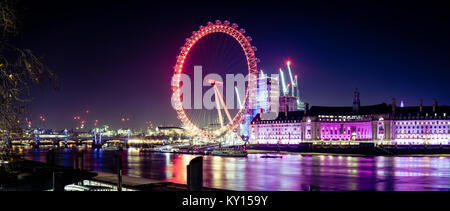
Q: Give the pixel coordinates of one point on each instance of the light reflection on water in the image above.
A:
(292, 172)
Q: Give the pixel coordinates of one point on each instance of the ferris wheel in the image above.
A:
(228, 122)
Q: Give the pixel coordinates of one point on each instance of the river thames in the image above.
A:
(292, 172)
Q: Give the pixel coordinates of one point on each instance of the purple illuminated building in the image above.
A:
(380, 123)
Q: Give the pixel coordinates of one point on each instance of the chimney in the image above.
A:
(435, 104)
(394, 105)
(306, 108)
(421, 105)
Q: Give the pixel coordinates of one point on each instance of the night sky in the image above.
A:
(115, 58)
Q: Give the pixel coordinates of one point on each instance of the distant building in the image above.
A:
(288, 103)
(168, 130)
(123, 132)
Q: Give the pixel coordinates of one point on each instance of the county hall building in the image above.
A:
(388, 123)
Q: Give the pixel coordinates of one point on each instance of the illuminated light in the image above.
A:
(251, 61)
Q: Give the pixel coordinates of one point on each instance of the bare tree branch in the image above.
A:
(20, 70)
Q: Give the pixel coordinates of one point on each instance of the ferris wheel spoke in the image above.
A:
(218, 106)
(223, 104)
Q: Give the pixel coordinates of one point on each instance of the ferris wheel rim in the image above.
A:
(251, 60)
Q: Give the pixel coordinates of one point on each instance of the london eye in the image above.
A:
(213, 38)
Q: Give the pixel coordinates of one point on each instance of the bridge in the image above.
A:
(96, 141)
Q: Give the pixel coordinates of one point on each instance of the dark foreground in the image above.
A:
(26, 175)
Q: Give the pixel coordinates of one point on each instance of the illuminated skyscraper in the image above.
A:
(267, 93)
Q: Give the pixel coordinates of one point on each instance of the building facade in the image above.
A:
(382, 122)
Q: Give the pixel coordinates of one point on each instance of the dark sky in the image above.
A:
(115, 58)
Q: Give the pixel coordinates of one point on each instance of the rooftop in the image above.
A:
(382, 108)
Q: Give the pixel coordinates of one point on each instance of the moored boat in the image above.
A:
(110, 148)
(271, 156)
(146, 150)
(229, 152)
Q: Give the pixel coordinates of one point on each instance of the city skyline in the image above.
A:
(254, 96)
(335, 48)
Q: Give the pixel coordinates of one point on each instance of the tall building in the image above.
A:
(266, 100)
(267, 93)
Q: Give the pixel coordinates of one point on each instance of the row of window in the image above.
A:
(422, 131)
(422, 137)
(422, 123)
(421, 127)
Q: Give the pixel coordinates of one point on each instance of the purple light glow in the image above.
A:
(346, 131)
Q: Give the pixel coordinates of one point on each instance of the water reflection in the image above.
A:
(292, 172)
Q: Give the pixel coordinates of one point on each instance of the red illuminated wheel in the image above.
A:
(251, 61)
